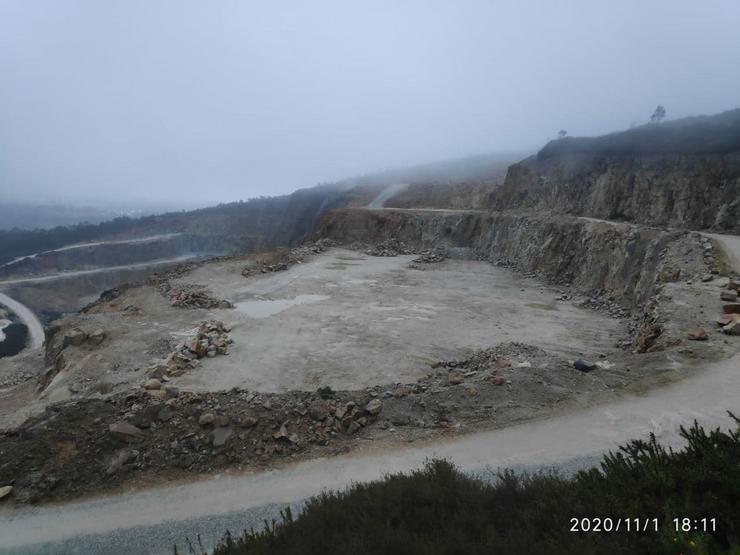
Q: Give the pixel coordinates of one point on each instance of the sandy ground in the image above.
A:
(348, 320)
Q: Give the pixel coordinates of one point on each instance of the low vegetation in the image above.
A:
(440, 510)
(718, 133)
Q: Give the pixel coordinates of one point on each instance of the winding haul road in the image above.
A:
(151, 521)
(35, 328)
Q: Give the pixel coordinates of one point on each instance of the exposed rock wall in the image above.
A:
(691, 191)
(620, 260)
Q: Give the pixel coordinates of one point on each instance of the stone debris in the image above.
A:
(500, 356)
(212, 339)
(193, 296)
(649, 334)
(430, 257)
(390, 247)
(125, 432)
(583, 366)
(454, 377)
(96, 337)
(699, 334)
(286, 259)
(77, 338)
(728, 295)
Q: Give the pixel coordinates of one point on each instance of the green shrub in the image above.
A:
(439, 510)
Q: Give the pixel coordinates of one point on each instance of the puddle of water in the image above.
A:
(542, 306)
(266, 308)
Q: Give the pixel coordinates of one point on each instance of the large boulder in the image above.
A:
(124, 431)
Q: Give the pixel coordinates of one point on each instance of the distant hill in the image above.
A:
(719, 133)
(262, 222)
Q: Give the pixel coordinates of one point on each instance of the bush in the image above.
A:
(439, 510)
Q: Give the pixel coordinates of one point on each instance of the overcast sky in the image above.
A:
(211, 101)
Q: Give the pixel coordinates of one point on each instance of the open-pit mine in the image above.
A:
(546, 323)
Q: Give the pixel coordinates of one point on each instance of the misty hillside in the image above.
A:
(718, 133)
(285, 219)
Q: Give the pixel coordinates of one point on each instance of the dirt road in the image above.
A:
(35, 329)
(557, 441)
(92, 244)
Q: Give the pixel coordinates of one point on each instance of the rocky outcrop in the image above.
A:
(621, 261)
(690, 191)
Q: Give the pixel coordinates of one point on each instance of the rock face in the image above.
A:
(683, 191)
(682, 174)
(621, 260)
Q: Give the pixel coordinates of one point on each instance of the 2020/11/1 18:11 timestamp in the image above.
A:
(608, 524)
(687, 524)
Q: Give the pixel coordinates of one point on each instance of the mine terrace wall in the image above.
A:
(688, 191)
(622, 261)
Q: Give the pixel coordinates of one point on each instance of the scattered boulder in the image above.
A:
(583, 365)
(699, 334)
(318, 411)
(248, 422)
(728, 295)
(220, 436)
(733, 328)
(96, 337)
(281, 433)
(152, 383)
(75, 337)
(374, 407)
(498, 380)
(502, 362)
(124, 431)
(454, 377)
(206, 419)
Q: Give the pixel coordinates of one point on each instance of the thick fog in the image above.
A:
(211, 101)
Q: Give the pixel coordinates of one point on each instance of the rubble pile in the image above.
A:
(503, 355)
(211, 339)
(194, 296)
(430, 257)
(606, 304)
(390, 247)
(93, 444)
(288, 259)
(99, 443)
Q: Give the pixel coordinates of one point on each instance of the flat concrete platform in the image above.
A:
(349, 320)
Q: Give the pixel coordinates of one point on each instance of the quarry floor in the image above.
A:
(349, 320)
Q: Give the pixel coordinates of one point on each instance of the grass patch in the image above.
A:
(439, 510)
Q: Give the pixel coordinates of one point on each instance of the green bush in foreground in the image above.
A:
(441, 510)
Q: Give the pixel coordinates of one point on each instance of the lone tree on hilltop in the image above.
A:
(562, 134)
(658, 114)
